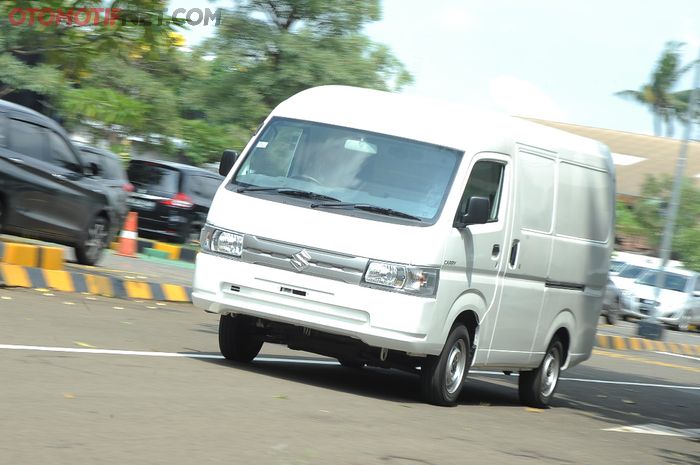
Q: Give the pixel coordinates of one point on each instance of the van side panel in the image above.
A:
(527, 254)
(581, 247)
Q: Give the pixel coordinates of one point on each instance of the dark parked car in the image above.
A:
(46, 190)
(112, 172)
(172, 199)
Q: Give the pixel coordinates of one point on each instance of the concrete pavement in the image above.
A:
(152, 406)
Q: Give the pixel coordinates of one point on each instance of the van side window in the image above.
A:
(62, 155)
(28, 139)
(485, 180)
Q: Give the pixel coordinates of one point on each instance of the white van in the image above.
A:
(391, 231)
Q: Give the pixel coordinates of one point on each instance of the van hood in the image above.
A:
(624, 284)
(669, 299)
(328, 229)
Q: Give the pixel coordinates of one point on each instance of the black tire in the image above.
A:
(353, 364)
(537, 387)
(236, 339)
(442, 376)
(610, 317)
(684, 322)
(94, 240)
(613, 312)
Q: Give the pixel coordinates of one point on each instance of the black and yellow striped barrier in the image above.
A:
(173, 251)
(636, 343)
(107, 286)
(39, 256)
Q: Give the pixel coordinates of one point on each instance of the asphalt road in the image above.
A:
(67, 397)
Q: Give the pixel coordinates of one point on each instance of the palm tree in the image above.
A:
(664, 104)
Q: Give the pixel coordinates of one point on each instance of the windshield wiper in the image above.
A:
(368, 208)
(289, 191)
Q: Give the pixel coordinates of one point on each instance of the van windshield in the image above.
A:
(350, 168)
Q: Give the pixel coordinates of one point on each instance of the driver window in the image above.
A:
(279, 148)
(485, 180)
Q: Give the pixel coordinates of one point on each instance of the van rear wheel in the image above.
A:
(442, 376)
(536, 388)
(237, 340)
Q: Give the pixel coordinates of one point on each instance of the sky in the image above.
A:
(560, 60)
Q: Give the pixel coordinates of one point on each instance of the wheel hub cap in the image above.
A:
(456, 364)
(550, 373)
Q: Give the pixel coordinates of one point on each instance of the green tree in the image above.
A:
(266, 51)
(658, 94)
(646, 217)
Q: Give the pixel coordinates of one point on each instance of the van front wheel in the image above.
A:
(236, 339)
(536, 387)
(442, 376)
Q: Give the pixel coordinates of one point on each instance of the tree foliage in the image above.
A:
(137, 80)
(658, 95)
(646, 217)
(267, 51)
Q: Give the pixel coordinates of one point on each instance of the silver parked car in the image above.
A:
(678, 304)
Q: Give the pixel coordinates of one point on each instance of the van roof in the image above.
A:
(437, 122)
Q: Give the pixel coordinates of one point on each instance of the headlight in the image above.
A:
(222, 242)
(402, 278)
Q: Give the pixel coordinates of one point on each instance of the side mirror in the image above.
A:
(93, 169)
(228, 159)
(696, 293)
(478, 211)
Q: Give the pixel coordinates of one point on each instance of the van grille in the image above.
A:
(319, 263)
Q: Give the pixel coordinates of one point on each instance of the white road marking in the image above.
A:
(297, 361)
(659, 430)
(678, 355)
(630, 383)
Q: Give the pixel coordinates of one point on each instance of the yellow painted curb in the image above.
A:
(606, 341)
(173, 251)
(108, 286)
(35, 256)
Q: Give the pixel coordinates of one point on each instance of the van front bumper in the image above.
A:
(376, 317)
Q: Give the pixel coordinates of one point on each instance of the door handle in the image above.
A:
(59, 176)
(495, 251)
(17, 161)
(514, 249)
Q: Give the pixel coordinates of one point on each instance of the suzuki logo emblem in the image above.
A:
(301, 260)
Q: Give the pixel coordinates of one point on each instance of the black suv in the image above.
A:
(46, 191)
(172, 199)
(112, 174)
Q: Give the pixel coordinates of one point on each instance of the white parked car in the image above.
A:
(678, 304)
(625, 283)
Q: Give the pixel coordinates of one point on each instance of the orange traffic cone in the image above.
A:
(128, 239)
